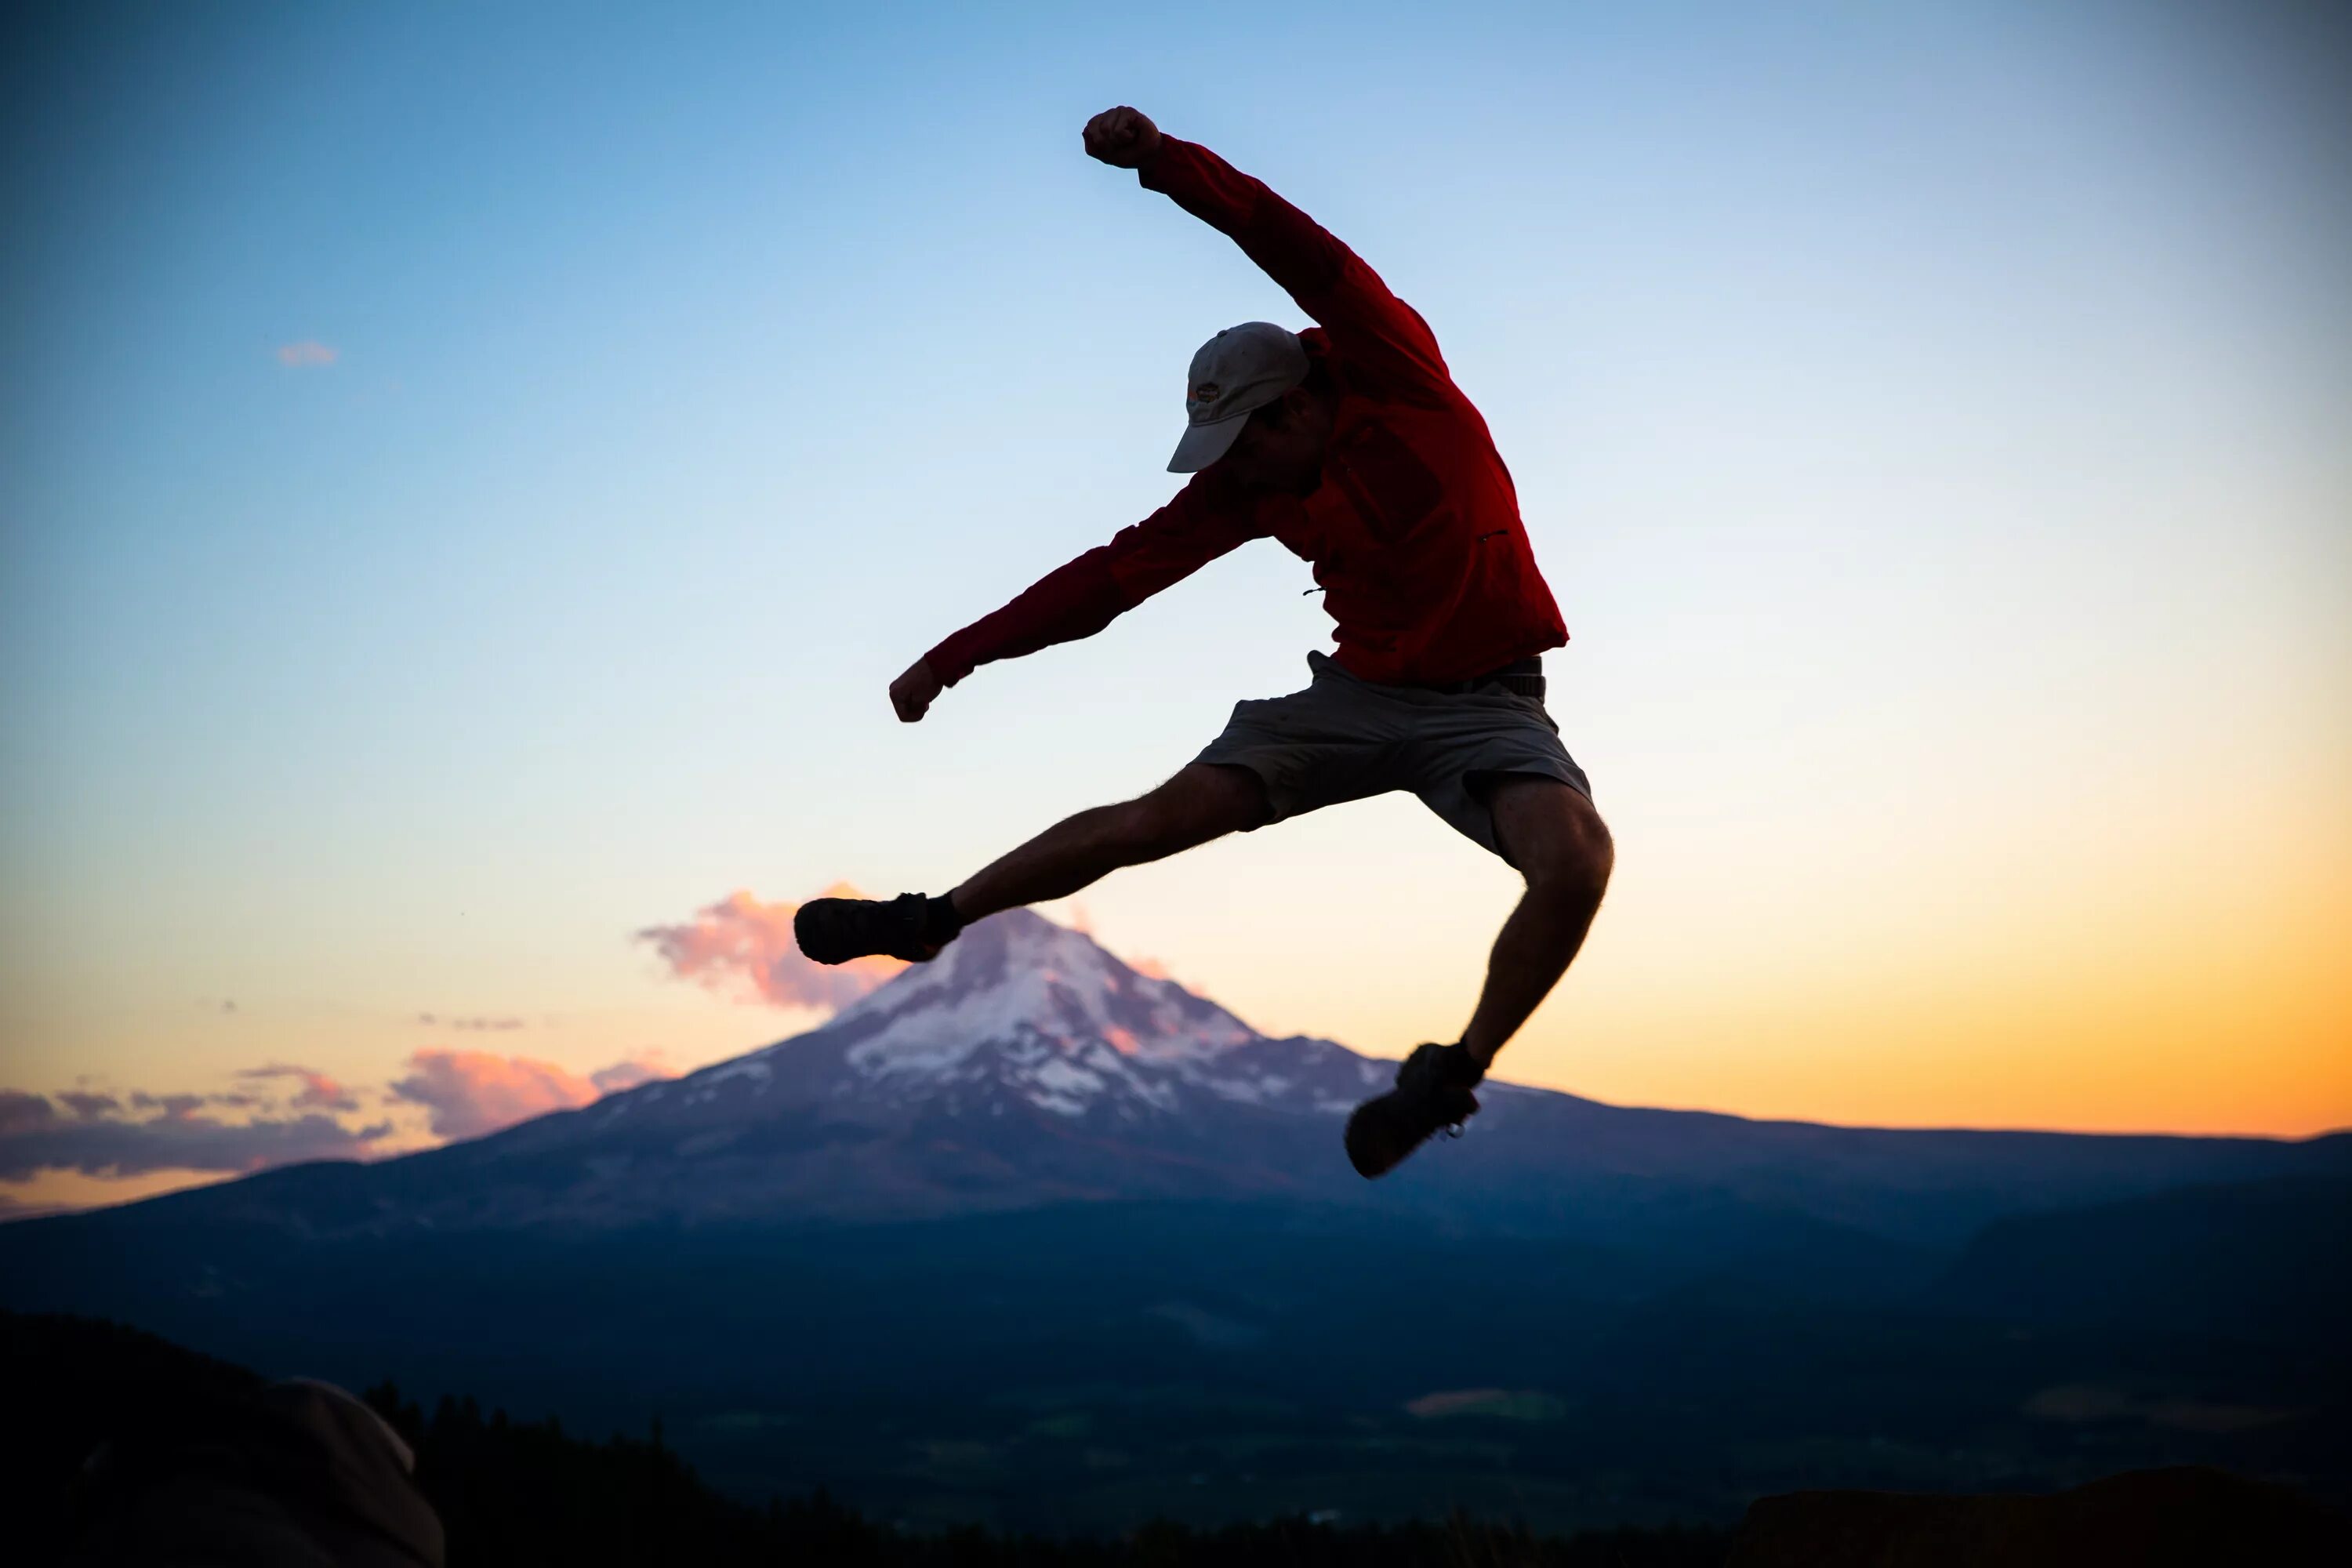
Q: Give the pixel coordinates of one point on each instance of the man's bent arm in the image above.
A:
(1330, 282)
(1079, 599)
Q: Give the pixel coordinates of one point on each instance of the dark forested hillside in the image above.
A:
(512, 1493)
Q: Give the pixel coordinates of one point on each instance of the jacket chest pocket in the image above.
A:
(1390, 487)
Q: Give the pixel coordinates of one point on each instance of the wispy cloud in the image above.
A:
(743, 948)
(469, 1093)
(92, 1135)
(319, 1092)
(309, 353)
(642, 1068)
(483, 1025)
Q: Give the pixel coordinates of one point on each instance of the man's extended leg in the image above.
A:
(1559, 843)
(1203, 801)
(1551, 834)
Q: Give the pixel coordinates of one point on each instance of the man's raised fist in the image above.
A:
(913, 693)
(1122, 137)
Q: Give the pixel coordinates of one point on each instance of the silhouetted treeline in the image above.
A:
(512, 1491)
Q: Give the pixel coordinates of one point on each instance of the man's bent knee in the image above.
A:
(1557, 840)
(1575, 866)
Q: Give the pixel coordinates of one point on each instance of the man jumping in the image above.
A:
(1350, 443)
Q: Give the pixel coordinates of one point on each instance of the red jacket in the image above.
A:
(1414, 531)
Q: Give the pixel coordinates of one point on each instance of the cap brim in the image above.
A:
(1205, 444)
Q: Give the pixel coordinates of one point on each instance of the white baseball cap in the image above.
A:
(1240, 370)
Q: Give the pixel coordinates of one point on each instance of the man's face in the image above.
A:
(1281, 448)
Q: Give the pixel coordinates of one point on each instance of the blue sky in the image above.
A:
(1933, 420)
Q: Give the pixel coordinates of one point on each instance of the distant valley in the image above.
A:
(1030, 1236)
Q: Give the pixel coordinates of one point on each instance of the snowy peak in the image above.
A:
(1019, 1017)
(1019, 976)
(1020, 1010)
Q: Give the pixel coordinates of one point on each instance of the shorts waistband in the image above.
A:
(1522, 676)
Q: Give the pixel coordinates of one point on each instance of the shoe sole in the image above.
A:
(1360, 1132)
(820, 945)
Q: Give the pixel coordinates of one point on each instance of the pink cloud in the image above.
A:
(319, 1092)
(306, 355)
(741, 947)
(469, 1094)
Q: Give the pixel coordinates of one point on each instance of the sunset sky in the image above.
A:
(467, 476)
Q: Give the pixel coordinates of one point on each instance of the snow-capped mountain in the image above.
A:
(1026, 1065)
(1020, 1011)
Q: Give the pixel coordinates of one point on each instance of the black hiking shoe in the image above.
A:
(1433, 1091)
(910, 926)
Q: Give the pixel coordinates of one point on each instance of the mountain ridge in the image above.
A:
(1028, 1065)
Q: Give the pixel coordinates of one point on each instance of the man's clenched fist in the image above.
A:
(912, 693)
(1122, 138)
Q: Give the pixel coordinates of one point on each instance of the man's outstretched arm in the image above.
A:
(1330, 282)
(1077, 600)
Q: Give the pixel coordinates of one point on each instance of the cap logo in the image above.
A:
(1206, 392)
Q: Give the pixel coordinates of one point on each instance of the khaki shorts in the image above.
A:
(1345, 738)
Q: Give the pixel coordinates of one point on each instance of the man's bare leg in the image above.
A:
(1204, 801)
(1560, 846)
